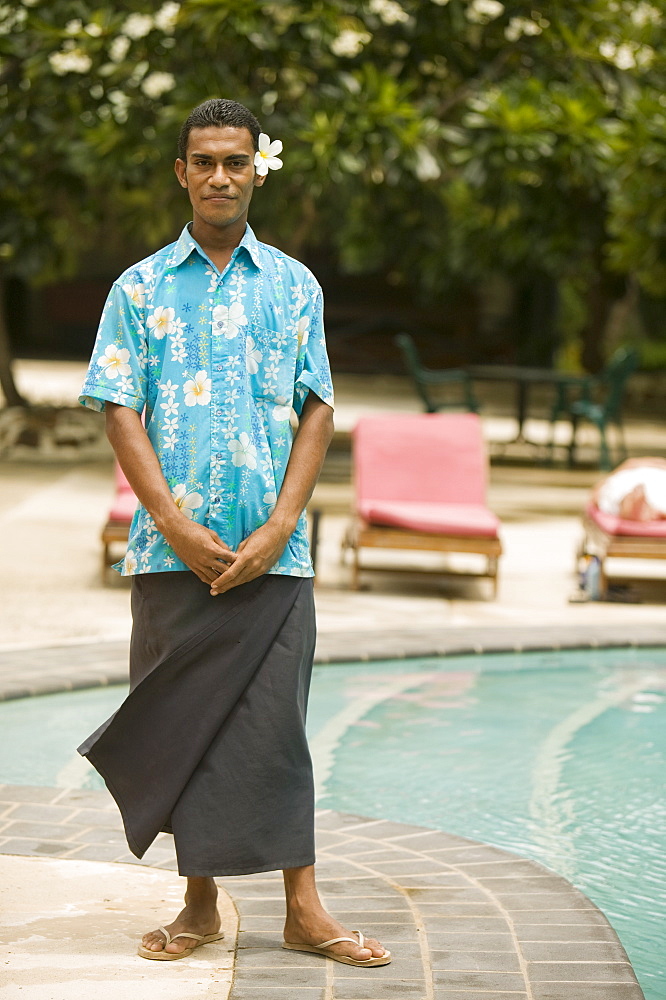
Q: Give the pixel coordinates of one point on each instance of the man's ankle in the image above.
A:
(201, 891)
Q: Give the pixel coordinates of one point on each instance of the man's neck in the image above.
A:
(218, 243)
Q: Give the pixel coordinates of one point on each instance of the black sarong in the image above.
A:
(210, 742)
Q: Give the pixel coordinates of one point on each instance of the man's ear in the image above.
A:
(259, 179)
(180, 168)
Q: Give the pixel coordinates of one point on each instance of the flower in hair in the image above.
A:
(266, 157)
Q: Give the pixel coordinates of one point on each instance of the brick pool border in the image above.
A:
(50, 669)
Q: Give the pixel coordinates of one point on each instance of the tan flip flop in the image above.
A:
(325, 946)
(168, 956)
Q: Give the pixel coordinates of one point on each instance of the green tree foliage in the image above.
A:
(440, 141)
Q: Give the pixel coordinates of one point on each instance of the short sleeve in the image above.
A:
(313, 372)
(117, 369)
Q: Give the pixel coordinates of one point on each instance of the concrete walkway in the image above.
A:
(69, 931)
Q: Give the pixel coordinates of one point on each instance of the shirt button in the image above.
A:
(220, 367)
(218, 413)
(216, 499)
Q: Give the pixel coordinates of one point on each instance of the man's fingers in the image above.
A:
(235, 575)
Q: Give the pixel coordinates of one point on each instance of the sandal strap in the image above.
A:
(169, 939)
(339, 940)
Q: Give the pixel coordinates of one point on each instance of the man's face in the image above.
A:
(219, 174)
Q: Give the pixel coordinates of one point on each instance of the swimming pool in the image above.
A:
(556, 756)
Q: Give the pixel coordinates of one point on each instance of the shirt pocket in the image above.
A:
(270, 363)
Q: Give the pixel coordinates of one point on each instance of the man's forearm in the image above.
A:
(308, 451)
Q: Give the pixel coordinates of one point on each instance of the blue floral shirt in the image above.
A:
(217, 361)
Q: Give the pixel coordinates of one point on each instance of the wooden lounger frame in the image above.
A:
(112, 532)
(600, 543)
(361, 535)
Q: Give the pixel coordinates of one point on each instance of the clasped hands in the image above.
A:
(204, 552)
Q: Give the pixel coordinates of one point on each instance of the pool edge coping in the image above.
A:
(66, 667)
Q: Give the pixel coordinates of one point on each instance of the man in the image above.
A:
(216, 337)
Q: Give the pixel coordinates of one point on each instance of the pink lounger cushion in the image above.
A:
(124, 502)
(460, 519)
(431, 458)
(124, 506)
(614, 525)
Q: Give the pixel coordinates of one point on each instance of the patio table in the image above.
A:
(523, 378)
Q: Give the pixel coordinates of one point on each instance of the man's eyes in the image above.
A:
(238, 164)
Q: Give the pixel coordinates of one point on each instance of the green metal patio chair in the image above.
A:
(600, 403)
(426, 378)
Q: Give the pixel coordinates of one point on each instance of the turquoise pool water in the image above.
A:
(556, 756)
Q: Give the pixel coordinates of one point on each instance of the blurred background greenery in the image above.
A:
(488, 176)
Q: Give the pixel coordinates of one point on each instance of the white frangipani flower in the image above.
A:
(136, 292)
(519, 26)
(481, 11)
(156, 84)
(426, 167)
(283, 409)
(131, 563)
(71, 61)
(137, 25)
(228, 320)
(349, 43)
(266, 158)
(252, 356)
(625, 56)
(389, 11)
(187, 502)
(118, 48)
(645, 13)
(243, 452)
(165, 18)
(159, 323)
(114, 361)
(197, 390)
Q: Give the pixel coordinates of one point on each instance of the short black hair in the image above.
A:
(219, 112)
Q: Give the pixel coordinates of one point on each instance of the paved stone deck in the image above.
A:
(464, 921)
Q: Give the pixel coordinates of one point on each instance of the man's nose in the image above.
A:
(219, 176)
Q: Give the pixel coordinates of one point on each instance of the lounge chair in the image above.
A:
(421, 484)
(608, 536)
(117, 526)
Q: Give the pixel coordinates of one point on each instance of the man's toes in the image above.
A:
(153, 942)
(182, 944)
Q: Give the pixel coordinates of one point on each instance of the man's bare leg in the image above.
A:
(308, 922)
(199, 915)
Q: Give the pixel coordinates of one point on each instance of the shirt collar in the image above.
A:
(185, 245)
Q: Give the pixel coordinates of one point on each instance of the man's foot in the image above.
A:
(199, 915)
(314, 928)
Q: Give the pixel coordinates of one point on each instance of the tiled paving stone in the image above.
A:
(447, 926)
(462, 919)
